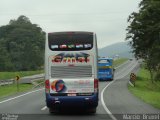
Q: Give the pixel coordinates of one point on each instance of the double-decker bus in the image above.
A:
(71, 80)
(105, 69)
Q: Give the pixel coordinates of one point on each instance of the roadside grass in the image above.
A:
(119, 61)
(8, 90)
(146, 90)
(12, 75)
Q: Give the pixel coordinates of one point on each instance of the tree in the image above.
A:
(144, 33)
(24, 43)
(5, 61)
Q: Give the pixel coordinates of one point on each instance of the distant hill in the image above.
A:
(121, 49)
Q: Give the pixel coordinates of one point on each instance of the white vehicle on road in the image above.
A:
(71, 80)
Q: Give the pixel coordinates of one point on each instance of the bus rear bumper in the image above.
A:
(71, 102)
(107, 77)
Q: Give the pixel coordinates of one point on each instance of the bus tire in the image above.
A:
(52, 111)
(92, 111)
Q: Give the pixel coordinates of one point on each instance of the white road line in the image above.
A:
(44, 108)
(20, 96)
(128, 71)
(122, 64)
(102, 98)
(103, 103)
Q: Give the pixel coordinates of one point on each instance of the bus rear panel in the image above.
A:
(71, 71)
(105, 69)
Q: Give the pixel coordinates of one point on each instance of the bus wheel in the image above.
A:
(51, 111)
(92, 111)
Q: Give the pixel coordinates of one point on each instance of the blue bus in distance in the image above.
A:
(105, 69)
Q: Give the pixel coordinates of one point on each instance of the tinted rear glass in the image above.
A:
(104, 61)
(70, 42)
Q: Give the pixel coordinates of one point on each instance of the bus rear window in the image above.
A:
(103, 61)
(70, 42)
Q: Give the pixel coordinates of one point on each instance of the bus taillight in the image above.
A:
(47, 86)
(95, 85)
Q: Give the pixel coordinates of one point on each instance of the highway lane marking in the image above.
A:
(120, 72)
(131, 68)
(103, 103)
(122, 64)
(20, 96)
(44, 108)
(102, 98)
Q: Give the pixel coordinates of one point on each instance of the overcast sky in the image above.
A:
(107, 18)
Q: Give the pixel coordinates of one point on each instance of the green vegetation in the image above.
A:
(117, 62)
(12, 89)
(144, 35)
(21, 45)
(12, 75)
(145, 89)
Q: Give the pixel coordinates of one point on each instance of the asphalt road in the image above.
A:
(115, 100)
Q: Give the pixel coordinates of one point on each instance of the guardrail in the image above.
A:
(27, 79)
(36, 85)
(7, 82)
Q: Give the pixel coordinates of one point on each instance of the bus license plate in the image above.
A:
(72, 94)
